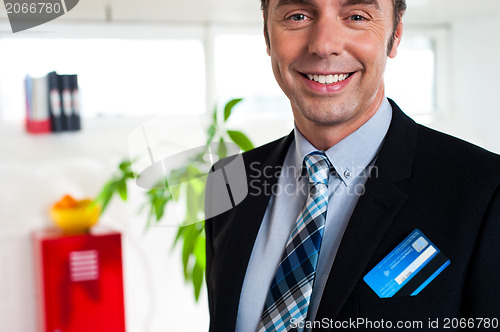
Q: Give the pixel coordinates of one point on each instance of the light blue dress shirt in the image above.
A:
(351, 158)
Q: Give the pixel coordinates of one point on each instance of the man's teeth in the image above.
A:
(328, 79)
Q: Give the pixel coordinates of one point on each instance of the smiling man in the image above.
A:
(329, 58)
(360, 218)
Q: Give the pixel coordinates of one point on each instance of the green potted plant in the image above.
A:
(191, 232)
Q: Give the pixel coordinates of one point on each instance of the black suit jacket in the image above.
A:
(447, 188)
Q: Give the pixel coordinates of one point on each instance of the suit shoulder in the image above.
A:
(454, 152)
(258, 154)
(263, 151)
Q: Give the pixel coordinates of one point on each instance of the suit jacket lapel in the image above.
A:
(246, 221)
(373, 215)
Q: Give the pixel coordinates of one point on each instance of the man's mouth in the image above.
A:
(328, 79)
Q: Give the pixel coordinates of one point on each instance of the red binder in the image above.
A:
(80, 282)
(38, 127)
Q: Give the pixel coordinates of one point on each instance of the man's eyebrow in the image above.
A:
(361, 2)
(294, 2)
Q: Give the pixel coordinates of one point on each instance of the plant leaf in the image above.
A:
(125, 166)
(229, 107)
(191, 199)
(104, 191)
(176, 192)
(105, 195)
(122, 188)
(240, 139)
(200, 253)
(159, 206)
(192, 207)
(197, 280)
(211, 133)
(148, 220)
(130, 175)
(222, 150)
(190, 236)
(180, 232)
(198, 184)
(215, 114)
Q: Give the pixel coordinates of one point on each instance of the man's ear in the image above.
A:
(398, 34)
(266, 35)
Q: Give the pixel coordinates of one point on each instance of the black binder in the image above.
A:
(55, 109)
(75, 103)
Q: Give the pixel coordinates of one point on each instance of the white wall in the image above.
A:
(475, 54)
(36, 171)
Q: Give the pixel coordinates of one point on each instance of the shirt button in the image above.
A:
(347, 173)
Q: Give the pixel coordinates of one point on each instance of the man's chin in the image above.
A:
(328, 116)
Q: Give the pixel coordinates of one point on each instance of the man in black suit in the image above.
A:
(388, 177)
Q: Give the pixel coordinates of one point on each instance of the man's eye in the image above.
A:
(356, 18)
(297, 17)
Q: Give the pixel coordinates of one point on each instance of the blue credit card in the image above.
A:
(411, 266)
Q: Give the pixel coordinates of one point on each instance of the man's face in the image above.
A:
(329, 57)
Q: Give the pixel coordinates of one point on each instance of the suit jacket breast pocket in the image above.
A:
(404, 308)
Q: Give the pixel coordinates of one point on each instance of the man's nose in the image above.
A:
(327, 37)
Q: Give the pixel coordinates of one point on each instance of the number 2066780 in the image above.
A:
(33, 8)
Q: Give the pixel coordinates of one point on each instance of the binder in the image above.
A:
(75, 103)
(66, 101)
(55, 102)
(37, 108)
(52, 103)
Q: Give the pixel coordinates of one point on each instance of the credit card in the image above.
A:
(408, 269)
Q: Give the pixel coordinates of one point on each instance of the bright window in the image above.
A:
(130, 76)
(243, 69)
(410, 78)
(127, 77)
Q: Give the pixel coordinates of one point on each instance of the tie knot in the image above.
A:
(318, 167)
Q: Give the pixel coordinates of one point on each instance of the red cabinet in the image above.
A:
(80, 282)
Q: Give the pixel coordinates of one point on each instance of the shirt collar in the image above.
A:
(353, 154)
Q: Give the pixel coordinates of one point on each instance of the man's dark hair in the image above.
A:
(399, 9)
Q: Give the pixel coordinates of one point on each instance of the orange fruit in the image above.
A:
(74, 216)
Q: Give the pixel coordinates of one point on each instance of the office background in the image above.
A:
(137, 60)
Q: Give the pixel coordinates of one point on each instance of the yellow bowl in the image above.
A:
(75, 218)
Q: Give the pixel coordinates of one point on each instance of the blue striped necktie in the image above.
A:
(290, 291)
